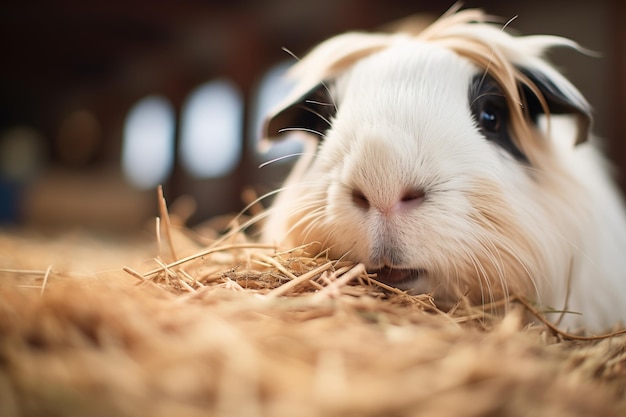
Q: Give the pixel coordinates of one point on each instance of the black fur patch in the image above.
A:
(491, 112)
(312, 113)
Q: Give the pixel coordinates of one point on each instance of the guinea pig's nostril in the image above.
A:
(412, 195)
(412, 198)
(359, 199)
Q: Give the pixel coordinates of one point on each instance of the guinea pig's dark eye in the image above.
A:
(491, 114)
(489, 119)
(490, 111)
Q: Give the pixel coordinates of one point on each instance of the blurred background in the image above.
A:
(101, 101)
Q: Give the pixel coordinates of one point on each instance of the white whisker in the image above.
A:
(330, 94)
(280, 158)
(294, 56)
(508, 23)
(319, 103)
(318, 114)
(301, 129)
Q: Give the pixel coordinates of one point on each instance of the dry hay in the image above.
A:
(226, 327)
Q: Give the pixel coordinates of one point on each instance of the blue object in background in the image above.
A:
(10, 201)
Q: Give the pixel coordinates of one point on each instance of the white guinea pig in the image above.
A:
(455, 162)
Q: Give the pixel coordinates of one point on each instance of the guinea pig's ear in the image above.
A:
(560, 96)
(311, 106)
(311, 112)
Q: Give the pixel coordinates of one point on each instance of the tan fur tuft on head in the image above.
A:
(487, 45)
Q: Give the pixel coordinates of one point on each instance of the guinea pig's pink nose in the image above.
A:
(408, 200)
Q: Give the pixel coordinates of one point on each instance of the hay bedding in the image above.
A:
(221, 326)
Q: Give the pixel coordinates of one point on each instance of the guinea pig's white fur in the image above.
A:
(406, 182)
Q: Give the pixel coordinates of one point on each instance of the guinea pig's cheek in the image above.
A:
(347, 226)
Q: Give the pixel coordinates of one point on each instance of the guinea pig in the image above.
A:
(456, 162)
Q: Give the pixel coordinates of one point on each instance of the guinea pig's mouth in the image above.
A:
(397, 276)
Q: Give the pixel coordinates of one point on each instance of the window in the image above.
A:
(148, 147)
(211, 130)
